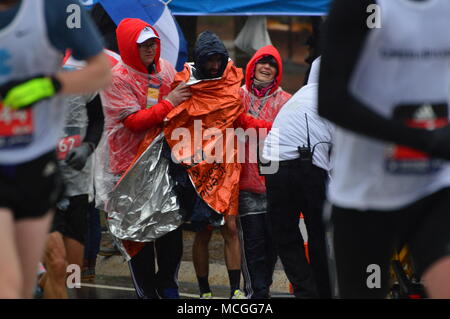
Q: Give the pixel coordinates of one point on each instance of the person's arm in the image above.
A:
(246, 121)
(344, 36)
(78, 156)
(94, 76)
(96, 121)
(145, 119)
(84, 42)
(25, 92)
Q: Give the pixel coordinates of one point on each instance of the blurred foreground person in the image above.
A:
(390, 184)
(33, 37)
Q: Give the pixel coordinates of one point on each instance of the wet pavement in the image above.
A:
(113, 280)
(111, 287)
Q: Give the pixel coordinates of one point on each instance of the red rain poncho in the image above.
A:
(262, 107)
(128, 94)
(133, 106)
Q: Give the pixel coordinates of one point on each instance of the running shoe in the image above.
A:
(109, 251)
(88, 274)
(238, 294)
(206, 295)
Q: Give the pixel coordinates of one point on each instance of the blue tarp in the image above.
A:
(249, 7)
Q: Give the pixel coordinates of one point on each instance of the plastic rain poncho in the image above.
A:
(261, 105)
(133, 89)
(76, 123)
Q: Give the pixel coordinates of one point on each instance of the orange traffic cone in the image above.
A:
(305, 239)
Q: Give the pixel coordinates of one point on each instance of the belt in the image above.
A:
(289, 163)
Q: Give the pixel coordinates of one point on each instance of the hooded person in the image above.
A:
(262, 98)
(215, 103)
(135, 104)
(207, 155)
(209, 51)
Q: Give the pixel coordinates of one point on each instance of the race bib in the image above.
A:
(404, 160)
(152, 96)
(16, 127)
(66, 144)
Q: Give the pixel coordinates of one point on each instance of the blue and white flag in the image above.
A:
(156, 13)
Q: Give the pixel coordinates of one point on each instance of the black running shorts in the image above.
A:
(30, 189)
(72, 222)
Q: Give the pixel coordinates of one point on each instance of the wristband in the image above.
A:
(25, 93)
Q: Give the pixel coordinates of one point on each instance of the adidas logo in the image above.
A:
(425, 112)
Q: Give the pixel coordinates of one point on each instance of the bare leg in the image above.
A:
(30, 235)
(437, 279)
(74, 251)
(200, 252)
(232, 246)
(56, 265)
(75, 254)
(11, 280)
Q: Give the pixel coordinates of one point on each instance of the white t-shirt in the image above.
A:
(289, 129)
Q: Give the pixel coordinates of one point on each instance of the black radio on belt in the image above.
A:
(305, 151)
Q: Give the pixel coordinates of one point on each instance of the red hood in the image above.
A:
(127, 33)
(267, 50)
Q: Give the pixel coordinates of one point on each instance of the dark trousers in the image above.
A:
(362, 241)
(150, 284)
(258, 254)
(300, 187)
(94, 233)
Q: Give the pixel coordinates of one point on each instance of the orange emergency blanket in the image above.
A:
(217, 104)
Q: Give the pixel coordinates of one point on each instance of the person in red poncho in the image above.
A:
(262, 97)
(135, 104)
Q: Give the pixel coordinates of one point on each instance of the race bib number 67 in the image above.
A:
(66, 144)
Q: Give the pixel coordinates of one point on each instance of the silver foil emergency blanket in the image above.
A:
(143, 206)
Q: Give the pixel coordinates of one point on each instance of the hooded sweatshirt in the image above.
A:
(208, 44)
(264, 107)
(134, 103)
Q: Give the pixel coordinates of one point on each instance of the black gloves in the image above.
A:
(78, 156)
(439, 143)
